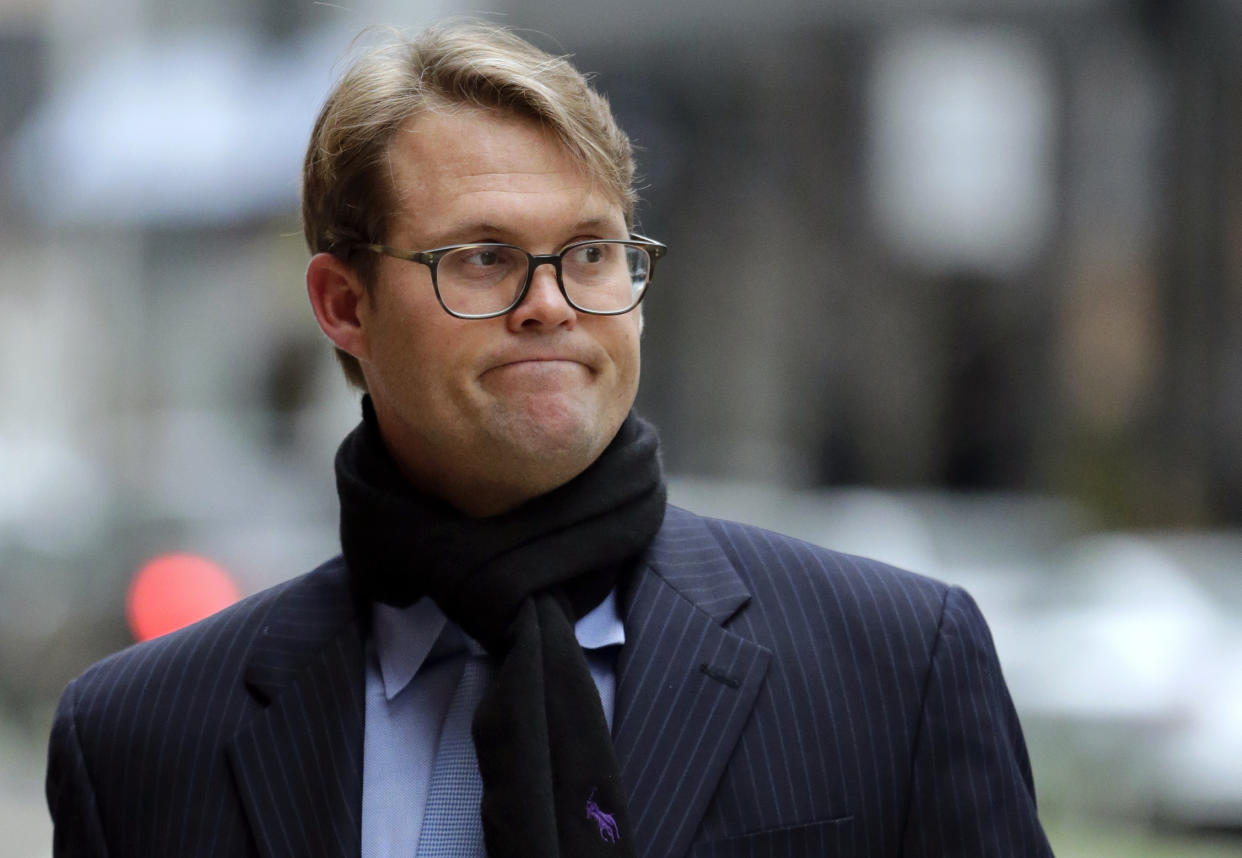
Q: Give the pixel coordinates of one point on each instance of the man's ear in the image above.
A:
(335, 292)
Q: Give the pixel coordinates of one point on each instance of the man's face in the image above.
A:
(489, 413)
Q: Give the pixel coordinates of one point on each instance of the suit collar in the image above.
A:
(298, 762)
(689, 559)
(308, 612)
(685, 684)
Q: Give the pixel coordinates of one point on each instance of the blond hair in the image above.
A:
(347, 195)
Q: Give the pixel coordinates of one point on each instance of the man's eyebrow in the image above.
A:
(472, 231)
(595, 223)
(468, 231)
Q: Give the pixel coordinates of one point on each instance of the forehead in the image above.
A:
(455, 168)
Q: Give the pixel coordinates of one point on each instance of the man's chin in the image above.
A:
(569, 442)
(566, 438)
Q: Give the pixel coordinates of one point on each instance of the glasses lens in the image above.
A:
(606, 276)
(481, 278)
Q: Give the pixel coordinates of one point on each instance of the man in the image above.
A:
(521, 645)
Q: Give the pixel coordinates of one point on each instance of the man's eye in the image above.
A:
(482, 257)
(591, 254)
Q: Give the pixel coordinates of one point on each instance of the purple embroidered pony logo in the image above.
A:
(608, 830)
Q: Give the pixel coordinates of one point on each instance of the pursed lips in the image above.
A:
(536, 363)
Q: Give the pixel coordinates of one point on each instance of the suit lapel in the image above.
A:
(298, 762)
(685, 684)
(685, 687)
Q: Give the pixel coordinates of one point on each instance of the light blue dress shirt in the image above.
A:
(415, 658)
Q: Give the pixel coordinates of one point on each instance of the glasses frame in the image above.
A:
(431, 258)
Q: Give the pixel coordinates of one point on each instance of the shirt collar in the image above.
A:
(405, 637)
(602, 626)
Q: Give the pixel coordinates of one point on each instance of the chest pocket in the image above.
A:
(834, 838)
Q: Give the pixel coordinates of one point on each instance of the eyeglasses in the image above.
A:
(605, 277)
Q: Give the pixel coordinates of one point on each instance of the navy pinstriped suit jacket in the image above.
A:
(773, 699)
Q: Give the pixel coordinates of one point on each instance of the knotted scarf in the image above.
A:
(517, 583)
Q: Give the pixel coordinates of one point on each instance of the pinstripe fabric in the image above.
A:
(880, 724)
(773, 699)
(241, 735)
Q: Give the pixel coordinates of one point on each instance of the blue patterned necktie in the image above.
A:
(452, 826)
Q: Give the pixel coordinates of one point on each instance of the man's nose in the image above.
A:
(543, 303)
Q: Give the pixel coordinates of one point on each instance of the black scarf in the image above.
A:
(517, 583)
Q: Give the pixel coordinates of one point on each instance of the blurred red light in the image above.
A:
(174, 590)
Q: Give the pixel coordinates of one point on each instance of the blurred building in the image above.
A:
(959, 244)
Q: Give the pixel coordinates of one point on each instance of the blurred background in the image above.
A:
(953, 283)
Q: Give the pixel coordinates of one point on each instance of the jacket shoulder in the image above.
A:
(763, 557)
(214, 648)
